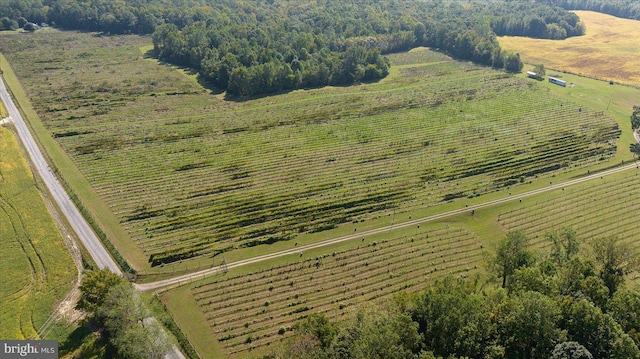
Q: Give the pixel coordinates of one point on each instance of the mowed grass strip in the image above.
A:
(189, 175)
(608, 50)
(253, 311)
(37, 270)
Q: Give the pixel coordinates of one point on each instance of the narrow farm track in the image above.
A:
(182, 279)
(69, 210)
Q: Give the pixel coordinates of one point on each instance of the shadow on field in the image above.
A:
(213, 89)
(87, 342)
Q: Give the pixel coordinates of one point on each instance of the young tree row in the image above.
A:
(569, 303)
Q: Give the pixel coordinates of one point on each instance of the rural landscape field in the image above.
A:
(607, 51)
(416, 177)
(173, 167)
(38, 269)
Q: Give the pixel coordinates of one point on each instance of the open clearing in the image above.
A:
(608, 50)
(37, 270)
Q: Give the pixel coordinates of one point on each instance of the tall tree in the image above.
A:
(635, 118)
(635, 149)
(615, 259)
(624, 307)
(511, 253)
(539, 70)
(94, 289)
(570, 350)
(565, 244)
(454, 319)
(597, 331)
(528, 326)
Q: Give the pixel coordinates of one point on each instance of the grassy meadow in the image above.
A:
(37, 270)
(182, 179)
(608, 50)
(189, 176)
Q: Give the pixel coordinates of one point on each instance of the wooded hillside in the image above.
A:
(257, 47)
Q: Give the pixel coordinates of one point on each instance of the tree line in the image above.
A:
(266, 46)
(570, 303)
(629, 9)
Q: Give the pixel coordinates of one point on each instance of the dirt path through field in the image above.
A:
(179, 280)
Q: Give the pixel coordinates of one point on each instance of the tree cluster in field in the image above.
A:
(635, 118)
(535, 20)
(266, 46)
(635, 125)
(113, 304)
(568, 304)
(629, 9)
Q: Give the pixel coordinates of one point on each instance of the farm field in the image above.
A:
(607, 51)
(190, 179)
(37, 269)
(250, 312)
(189, 175)
(596, 209)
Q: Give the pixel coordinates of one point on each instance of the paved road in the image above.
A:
(89, 239)
(198, 275)
(69, 210)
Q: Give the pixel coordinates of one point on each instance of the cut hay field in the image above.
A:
(37, 270)
(189, 175)
(608, 50)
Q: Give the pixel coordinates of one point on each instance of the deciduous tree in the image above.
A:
(511, 253)
(94, 289)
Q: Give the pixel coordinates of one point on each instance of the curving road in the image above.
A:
(198, 275)
(89, 239)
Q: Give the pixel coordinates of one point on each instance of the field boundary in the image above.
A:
(63, 168)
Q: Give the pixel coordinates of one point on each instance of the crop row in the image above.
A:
(240, 198)
(250, 311)
(605, 208)
(189, 175)
(282, 206)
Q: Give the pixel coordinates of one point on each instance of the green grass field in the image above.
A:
(37, 270)
(249, 312)
(175, 174)
(189, 176)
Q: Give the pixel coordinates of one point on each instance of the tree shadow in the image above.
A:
(91, 342)
(235, 98)
(207, 85)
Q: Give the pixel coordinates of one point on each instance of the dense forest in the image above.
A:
(265, 46)
(571, 303)
(629, 9)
